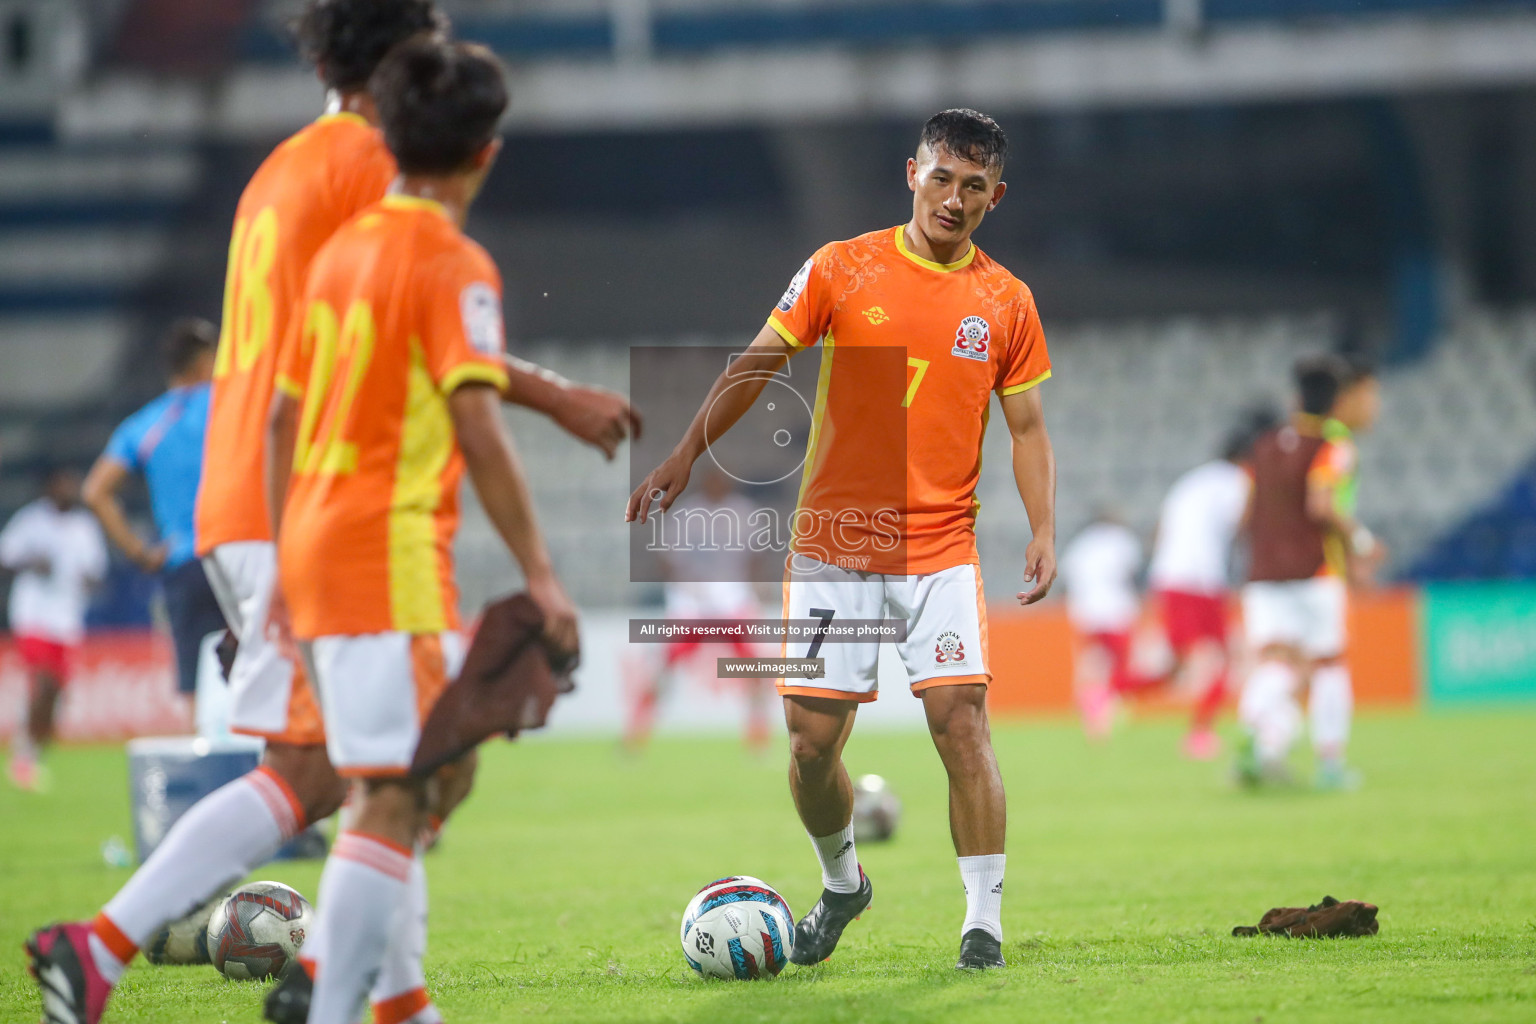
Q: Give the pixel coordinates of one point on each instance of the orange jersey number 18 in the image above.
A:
(349, 344)
(248, 298)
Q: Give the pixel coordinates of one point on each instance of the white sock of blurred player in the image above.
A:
(839, 860)
(365, 882)
(400, 994)
(1269, 711)
(1330, 707)
(983, 880)
(222, 838)
(401, 986)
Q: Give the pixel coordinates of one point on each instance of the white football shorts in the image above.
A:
(1304, 614)
(376, 690)
(268, 696)
(946, 620)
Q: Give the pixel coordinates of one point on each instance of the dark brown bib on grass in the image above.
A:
(1329, 919)
(509, 682)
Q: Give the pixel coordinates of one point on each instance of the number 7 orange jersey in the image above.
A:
(912, 351)
(308, 187)
(400, 308)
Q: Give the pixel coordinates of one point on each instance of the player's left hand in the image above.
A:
(600, 417)
(662, 486)
(1039, 568)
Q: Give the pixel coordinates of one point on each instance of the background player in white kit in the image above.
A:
(1100, 568)
(708, 569)
(55, 548)
(1190, 574)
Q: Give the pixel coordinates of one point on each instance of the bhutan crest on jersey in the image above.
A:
(972, 339)
(949, 650)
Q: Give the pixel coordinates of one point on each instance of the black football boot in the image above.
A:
(980, 951)
(817, 933)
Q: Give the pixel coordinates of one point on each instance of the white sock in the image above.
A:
(839, 860)
(223, 837)
(107, 963)
(983, 880)
(1330, 707)
(365, 881)
(1268, 709)
(400, 994)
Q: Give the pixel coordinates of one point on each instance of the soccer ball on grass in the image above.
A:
(876, 810)
(738, 927)
(257, 930)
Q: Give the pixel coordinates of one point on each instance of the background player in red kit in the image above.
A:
(56, 550)
(709, 572)
(1191, 571)
(1100, 567)
(966, 328)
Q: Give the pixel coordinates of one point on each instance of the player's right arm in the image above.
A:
(733, 393)
(100, 490)
(288, 383)
(495, 470)
(799, 319)
(282, 437)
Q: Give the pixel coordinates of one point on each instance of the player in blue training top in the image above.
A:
(164, 441)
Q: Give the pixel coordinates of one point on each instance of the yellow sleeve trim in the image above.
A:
(482, 373)
(784, 332)
(288, 386)
(1016, 388)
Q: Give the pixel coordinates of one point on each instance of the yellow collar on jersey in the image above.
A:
(342, 115)
(395, 201)
(943, 268)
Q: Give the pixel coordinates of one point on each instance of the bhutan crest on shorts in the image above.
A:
(949, 650)
(972, 339)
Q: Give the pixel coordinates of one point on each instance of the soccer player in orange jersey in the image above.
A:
(885, 523)
(390, 393)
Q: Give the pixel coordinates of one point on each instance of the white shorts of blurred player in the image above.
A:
(1307, 615)
(266, 693)
(376, 691)
(946, 618)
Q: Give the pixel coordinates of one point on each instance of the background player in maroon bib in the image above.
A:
(1294, 601)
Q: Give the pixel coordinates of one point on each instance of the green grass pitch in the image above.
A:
(557, 891)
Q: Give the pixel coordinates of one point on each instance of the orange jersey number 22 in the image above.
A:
(346, 344)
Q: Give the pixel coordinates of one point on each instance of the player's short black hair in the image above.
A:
(1250, 426)
(439, 103)
(1319, 379)
(968, 134)
(346, 39)
(186, 340)
(1358, 367)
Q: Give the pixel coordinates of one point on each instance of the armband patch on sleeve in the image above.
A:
(480, 308)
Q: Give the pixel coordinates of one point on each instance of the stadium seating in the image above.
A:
(563, 29)
(83, 231)
(1131, 407)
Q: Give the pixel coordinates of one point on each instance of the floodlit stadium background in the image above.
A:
(1200, 191)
